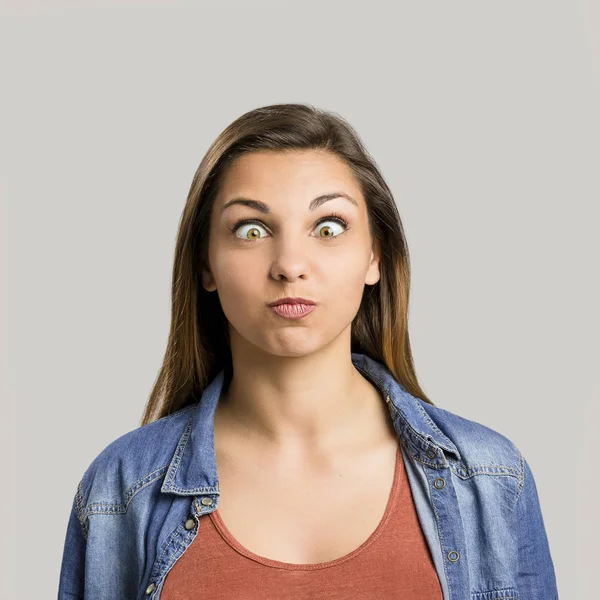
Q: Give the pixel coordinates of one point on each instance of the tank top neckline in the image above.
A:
(232, 541)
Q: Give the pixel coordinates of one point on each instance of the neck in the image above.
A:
(315, 403)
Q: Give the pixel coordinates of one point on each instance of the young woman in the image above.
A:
(287, 449)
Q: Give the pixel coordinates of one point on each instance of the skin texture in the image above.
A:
(298, 419)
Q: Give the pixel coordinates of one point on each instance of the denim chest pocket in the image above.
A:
(498, 594)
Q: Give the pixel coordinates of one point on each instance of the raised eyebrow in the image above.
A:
(266, 209)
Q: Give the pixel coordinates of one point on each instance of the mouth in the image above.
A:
(293, 311)
(296, 300)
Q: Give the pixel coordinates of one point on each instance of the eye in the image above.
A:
(253, 231)
(332, 219)
(254, 226)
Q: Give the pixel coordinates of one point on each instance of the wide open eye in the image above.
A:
(252, 233)
(329, 233)
(253, 228)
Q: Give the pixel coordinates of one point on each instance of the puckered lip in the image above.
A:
(292, 301)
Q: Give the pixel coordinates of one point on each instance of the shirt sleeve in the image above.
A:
(72, 572)
(536, 579)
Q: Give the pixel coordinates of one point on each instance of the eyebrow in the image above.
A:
(266, 209)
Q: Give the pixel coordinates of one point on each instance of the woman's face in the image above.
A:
(289, 249)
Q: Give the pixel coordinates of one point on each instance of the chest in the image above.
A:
(301, 513)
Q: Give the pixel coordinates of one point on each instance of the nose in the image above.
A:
(290, 262)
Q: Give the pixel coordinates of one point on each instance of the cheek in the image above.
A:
(347, 287)
(235, 273)
(344, 282)
(348, 269)
(240, 288)
(338, 277)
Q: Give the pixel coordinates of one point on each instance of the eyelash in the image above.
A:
(331, 217)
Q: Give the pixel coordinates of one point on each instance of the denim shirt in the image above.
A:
(137, 506)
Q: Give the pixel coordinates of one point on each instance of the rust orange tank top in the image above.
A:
(394, 562)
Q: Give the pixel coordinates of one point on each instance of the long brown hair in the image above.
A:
(198, 343)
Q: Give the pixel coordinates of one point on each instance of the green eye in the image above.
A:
(253, 232)
(330, 235)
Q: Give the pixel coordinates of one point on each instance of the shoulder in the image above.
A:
(132, 461)
(482, 448)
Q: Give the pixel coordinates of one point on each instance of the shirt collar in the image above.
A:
(193, 468)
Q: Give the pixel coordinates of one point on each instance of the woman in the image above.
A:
(287, 449)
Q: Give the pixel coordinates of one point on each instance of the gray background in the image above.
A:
(484, 118)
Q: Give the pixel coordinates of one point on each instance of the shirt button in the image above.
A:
(387, 399)
(439, 483)
(206, 501)
(150, 588)
(453, 555)
(431, 453)
(190, 524)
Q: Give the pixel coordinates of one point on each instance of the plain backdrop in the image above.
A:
(484, 119)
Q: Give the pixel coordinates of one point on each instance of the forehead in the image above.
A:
(293, 173)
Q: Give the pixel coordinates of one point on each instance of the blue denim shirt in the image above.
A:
(137, 506)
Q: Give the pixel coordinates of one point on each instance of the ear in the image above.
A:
(208, 281)
(373, 274)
